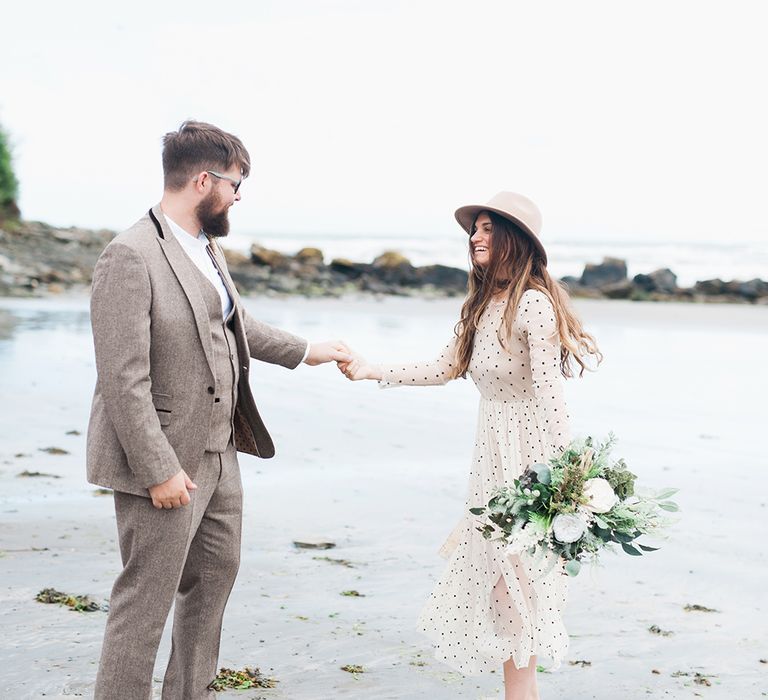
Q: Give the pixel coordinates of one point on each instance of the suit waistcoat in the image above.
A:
(226, 364)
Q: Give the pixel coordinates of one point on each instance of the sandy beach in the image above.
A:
(382, 475)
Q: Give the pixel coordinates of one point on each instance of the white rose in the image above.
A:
(568, 527)
(600, 495)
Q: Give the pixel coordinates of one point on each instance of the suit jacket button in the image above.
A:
(211, 390)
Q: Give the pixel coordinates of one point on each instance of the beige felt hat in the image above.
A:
(520, 210)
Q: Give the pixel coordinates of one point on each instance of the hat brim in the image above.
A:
(466, 217)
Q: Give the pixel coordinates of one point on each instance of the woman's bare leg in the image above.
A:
(520, 683)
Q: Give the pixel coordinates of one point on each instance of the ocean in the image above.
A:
(690, 261)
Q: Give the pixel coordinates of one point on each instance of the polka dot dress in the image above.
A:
(489, 606)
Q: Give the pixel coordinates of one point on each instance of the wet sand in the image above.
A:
(382, 474)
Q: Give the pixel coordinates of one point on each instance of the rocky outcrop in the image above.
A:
(37, 259)
(608, 280)
(664, 281)
(306, 273)
(609, 272)
(755, 290)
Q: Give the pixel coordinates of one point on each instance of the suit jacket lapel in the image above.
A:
(221, 266)
(182, 268)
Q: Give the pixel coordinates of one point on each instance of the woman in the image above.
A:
(516, 336)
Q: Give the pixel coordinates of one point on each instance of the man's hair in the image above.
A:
(198, 146)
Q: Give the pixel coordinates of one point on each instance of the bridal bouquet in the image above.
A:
(574, 507)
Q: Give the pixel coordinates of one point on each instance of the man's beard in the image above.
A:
(213, 221)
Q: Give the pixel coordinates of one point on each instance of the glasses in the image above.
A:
(235, 183)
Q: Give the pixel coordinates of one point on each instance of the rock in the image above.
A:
(36, 257)
(570, 281)
(310, 272)
(391, 259)
(734, 290)
(618, 290)
(286, 283)
(271, 258)
(663, 280)
(7, 265)
(250, 278)
(235, 258)
(374, 285)
(753, 289)
(349, 269)
(393, 268)
(443, 277)
(610, 271)
(710, 287)
(310, 256)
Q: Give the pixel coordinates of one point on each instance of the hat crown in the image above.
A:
(518, 207)
(512, 206)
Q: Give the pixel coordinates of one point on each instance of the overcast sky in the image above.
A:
(623, 121)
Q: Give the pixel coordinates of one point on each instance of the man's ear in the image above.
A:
(202, 182)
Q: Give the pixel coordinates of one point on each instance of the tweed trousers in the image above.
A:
(188, 555)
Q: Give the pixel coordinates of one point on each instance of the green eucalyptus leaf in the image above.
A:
(666, 493)
(646, 548)
(604, 535)
(629, 549)
(671, 506)
(477, 511)
(573, 567)
(601, 523)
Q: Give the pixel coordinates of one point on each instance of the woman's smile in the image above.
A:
(481, 240)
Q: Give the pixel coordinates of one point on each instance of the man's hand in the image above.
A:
(359, 368)
(329, 351)
(172, 493)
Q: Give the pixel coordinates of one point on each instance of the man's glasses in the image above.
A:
(235, 183)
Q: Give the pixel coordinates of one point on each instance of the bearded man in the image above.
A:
(171, 409)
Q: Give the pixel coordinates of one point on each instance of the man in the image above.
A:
(172, 407)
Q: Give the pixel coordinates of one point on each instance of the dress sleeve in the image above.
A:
(437, 371)
(537, 318)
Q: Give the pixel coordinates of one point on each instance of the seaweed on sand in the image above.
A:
(228, 678)
(78, 603)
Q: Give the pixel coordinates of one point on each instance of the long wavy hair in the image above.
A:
(515, 266)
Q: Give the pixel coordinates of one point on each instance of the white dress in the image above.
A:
(489, 606)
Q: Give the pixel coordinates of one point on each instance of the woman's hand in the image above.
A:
(359, 368)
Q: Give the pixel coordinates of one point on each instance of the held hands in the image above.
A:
(350, 364)
(359, 368)
(172, 493)
(329, 351)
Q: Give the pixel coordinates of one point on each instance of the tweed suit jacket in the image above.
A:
(154, 359)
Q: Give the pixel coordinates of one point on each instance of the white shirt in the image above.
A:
(195, 248)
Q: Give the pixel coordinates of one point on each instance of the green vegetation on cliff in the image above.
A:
(9, 185)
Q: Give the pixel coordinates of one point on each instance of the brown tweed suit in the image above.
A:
(172, 392)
